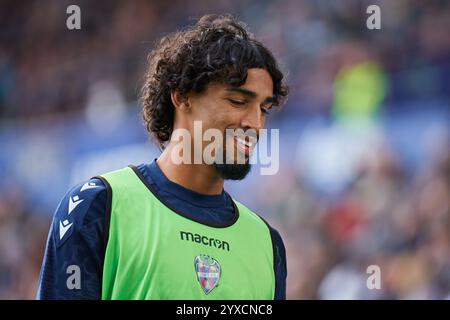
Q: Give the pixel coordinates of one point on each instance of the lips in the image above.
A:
(246, 144)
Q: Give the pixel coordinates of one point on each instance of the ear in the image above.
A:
(181, 102)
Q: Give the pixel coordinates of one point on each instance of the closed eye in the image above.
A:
(237, 102)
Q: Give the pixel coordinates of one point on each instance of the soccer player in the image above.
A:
(168, 230)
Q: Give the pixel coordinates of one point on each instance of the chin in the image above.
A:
(233, 171)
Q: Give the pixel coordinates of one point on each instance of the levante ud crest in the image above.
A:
(208, 272)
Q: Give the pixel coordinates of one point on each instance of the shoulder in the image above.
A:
(278, 244)
(83, 205)
(257, 218)
(247, 212)
(76, 238)
(277, 241)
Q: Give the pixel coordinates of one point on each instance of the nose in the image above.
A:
(253, 118)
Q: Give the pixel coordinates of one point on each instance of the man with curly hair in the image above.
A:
(168, 230)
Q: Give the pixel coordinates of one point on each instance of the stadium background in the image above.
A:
(365, 160)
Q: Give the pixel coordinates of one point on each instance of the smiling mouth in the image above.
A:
(246, 144)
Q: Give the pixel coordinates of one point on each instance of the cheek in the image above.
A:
(207, 110)
(215, 118)
(215, 112)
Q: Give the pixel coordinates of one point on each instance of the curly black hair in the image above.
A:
(218, 48)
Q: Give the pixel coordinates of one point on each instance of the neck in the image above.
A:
(201, 178)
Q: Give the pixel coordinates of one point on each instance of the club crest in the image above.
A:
(208, 272)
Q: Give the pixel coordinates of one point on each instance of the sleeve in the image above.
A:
(73, 259)
(279, 265)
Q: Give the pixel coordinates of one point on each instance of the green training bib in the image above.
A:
(154, 252)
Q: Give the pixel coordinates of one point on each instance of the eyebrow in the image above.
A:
(250, 94)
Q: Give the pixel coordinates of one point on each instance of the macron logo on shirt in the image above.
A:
(88, 185)
(64, 226)
(74, 202)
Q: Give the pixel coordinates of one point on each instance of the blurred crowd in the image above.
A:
(46, 69)
(388, 216)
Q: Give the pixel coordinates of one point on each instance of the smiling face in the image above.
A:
(225, 107)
